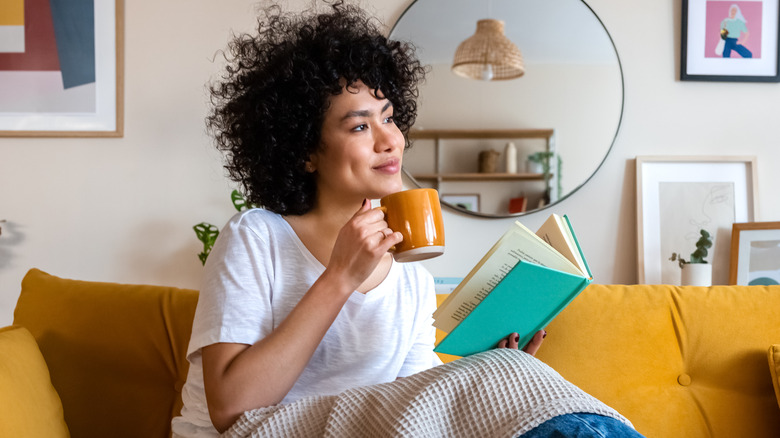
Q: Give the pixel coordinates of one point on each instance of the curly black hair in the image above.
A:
(269, 106)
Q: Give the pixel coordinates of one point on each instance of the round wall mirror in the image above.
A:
(498, 148)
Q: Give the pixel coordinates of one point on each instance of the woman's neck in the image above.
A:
(319, 228)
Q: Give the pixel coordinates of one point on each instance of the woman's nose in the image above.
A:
(387, 138)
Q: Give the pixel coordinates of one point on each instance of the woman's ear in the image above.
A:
(309, 167)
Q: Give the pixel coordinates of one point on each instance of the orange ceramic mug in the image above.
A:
(416, 214)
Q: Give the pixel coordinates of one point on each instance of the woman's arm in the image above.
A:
(240, 377)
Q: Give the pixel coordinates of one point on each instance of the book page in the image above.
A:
(519, 243)
(556, 232)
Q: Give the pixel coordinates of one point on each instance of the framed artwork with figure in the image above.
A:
(677, 197)
(732, 41)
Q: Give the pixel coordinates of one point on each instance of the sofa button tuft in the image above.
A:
(684, 379)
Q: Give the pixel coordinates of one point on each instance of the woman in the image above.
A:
(301, 298)
(735, 26)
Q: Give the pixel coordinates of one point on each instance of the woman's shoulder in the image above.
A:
(256, 219)
(254, 223)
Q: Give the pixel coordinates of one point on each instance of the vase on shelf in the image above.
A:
(510, 155)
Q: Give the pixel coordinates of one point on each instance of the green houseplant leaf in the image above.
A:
(207, 233)
(702, 246)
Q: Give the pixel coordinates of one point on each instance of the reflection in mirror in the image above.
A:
(564, 111)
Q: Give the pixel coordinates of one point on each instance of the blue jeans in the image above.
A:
(731, 44)
(582, 426)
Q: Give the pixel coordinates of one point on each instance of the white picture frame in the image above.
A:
(679, 195)
(37, 105)
(469, 202)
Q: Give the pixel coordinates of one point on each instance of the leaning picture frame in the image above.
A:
(468, 202)
(677, 196)
(735, 41)
(62, 69)
(755, 254)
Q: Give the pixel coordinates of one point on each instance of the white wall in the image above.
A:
(122, 209)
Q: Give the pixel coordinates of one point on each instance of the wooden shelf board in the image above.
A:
(433, 134)
(481, 176)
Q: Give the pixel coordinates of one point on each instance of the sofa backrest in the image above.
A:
(676, 361)
(116, 353)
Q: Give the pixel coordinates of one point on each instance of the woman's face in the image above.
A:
(361, 148)
(732, 12)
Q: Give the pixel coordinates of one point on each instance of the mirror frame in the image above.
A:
(572, 191)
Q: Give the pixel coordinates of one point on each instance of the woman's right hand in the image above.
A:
(361, 244)
(532, 347)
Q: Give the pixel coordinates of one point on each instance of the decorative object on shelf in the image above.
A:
(207, 233)
(510, 156)
(709, 55)
(488, 54)
(76, 89)
(539, 162)
(679, 195)
(518, 205)
(755, 253)
(488, 161)
(696, 271)
(469, 202)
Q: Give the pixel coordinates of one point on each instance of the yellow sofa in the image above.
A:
(677, 361)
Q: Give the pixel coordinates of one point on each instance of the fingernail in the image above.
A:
(517, 338)
(544, 335)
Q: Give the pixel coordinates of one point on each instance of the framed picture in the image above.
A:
(677, 197)
(468, 202)
(730, 41)
(61, 68)
(755, 253)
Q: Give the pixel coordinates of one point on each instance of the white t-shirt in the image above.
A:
(257, 272)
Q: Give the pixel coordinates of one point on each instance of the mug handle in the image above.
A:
(383, 209)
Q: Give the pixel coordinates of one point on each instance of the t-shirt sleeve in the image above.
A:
(421, 355)
(235, 298)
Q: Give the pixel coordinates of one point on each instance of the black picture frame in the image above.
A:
(695, 65)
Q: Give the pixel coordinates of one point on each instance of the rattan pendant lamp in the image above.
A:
(488, 54)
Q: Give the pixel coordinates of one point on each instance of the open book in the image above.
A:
(520, 285)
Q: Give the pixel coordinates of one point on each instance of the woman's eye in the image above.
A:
(390, 119)
(362, 127)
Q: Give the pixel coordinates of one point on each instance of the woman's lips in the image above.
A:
(391, 166)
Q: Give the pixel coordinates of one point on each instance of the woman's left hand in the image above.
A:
(532, 347)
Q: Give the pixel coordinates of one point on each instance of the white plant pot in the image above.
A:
(696, 274)
(534, 167)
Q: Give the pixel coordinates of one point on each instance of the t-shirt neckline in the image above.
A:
(377, 292)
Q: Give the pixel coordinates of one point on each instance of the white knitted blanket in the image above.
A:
(498, 393)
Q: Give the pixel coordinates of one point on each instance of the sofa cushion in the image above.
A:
(774, 369)
(677, 361)
(30, 405)
(116, 352)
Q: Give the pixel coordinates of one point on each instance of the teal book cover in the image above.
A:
(525, 301)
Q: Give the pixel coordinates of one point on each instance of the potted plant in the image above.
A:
(696, 271)
(539, 162)
(207, 233)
